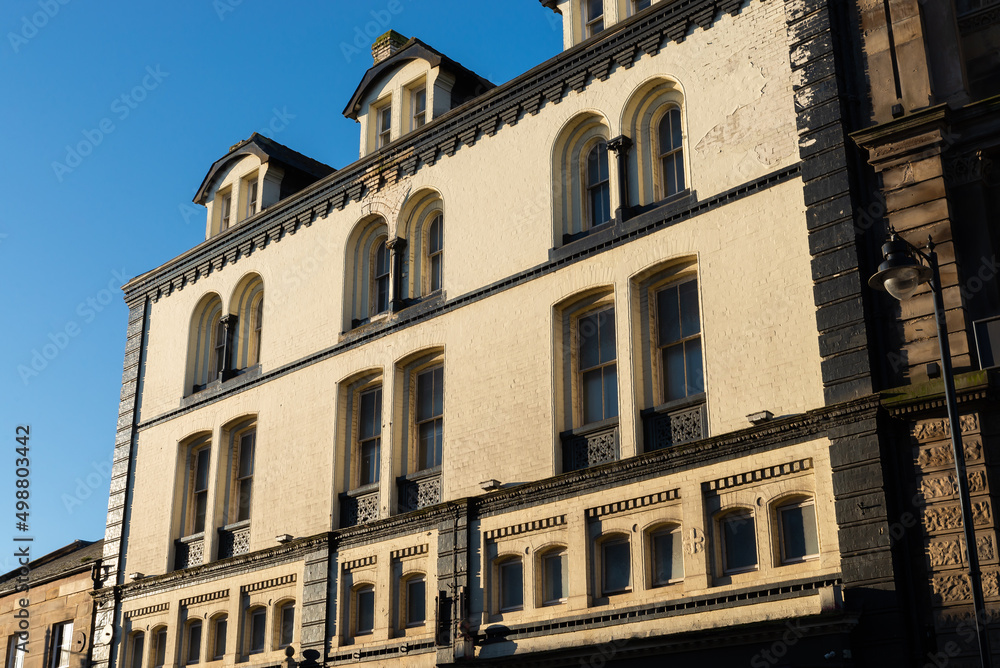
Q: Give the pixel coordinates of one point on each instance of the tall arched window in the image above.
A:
(423, 270)
(367, 288)
(136, 648)
(581, 178)
(248, 308)
(380, 277)
(206, 344)
(654, 120)
(671, 152)
(435, 252)
(598, 185)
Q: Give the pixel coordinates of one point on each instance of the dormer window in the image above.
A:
(250, 188)
(384, 125)
(418, 104)
(639, 5)
(593, 17)
(227, 208)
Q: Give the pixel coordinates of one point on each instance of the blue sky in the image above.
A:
(112, 114)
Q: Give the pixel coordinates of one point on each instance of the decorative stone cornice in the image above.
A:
(928, 396)
(758, 475)
(633, 504)
(525, 527)
(268, 584)
(413, 551)
(204, 598)
(504, 105)
(149, 610)
(355, 564)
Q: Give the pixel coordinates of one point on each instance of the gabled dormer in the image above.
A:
(409, 85)
(583, 19)
(252, 176)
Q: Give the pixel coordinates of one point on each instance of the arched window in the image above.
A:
(284, 624)
(413, 600)
(247, 320)
(137, 644)
(197, 468)
(435, 252)
(192, 642)
(159, 650)
(671, 152)
(615, 558)
(363, 610)
(509, 572)
(598, 185)
(423, 270)
(581, 178)
(798, 537)
(554, 585)
(738, 541)
(206, 344)
(666, 556)
(256, 630)
(220, 631)
(654, 120)
(368, 270)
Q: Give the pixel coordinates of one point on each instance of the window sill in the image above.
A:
(420, 475)
(228, 381)
(363, 490)
(587, 429)
(235, 526)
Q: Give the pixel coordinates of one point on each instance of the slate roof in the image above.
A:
(75, 557)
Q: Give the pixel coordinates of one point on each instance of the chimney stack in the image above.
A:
(386, 45)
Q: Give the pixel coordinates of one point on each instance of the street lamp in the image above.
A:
(900, 275)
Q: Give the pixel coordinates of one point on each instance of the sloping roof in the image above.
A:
(266, 149)
(413, 49)
(77, 556)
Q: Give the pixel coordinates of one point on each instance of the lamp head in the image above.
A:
(900, 274)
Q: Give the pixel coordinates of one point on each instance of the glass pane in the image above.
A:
(665, 135)
(669, 177)
(667, 559)
(194, 642)
(594, 166)
(667, 310)
(798, 528)
(221, 629)
(688, 295)
(435, 235)
(257, 631)
(675, 127)
(606, 322)
(595, 8)
(438, 438)
(740, 542)
(438, 391)
(366, 610)
(695, 374)
(616, 562)
(679, 168)
(382, 295)
(555, 577)
(601, 204)
(435, 273)
(369, 461)
(674, 385)
(593, 401)
(201, 470)
(416, 607)
(590, 342)
(426, 446)
(287, 624)
(138, 641)
(642, 4)
(420, 100)
(610, 391)
(161, 647)
(200, 501)
(511, 585)
(371, 409)
(425, 396)
(246, 493)
(246, 454)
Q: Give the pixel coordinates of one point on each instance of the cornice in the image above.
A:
(928, 397)
(461, 127)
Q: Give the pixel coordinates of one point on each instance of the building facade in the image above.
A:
(576, 369)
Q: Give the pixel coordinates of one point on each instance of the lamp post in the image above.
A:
(900, 275)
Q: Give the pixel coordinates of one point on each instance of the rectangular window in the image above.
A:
(799, 539)
(594, 16)
(369, 436)
(160, 649)
(430, 417)
(287, 625)
(419, 107)
(598, 185)
(639, 5)
(384, 126)
(554, 575)
(199, 495)
(511, 585)
(221, 629)
(739, 542)
(381, 303)
(220, 349)
(598, 370)
(251, 194)
(416, 604)
(135, 656)
(226, 212)
(194, 642)
(679, 340)
(364, 601)
(62, 644)
(667, 557)
(244, 474)
(258, 630)
(616, 566)
(435, 254)
(15, 656)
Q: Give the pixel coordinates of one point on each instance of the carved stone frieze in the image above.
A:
(933, 430)
(950, 552)
(945, 518)
(943, 486)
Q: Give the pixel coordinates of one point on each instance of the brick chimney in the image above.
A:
(386, 45)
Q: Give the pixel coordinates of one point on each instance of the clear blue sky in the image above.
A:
(76, 223)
